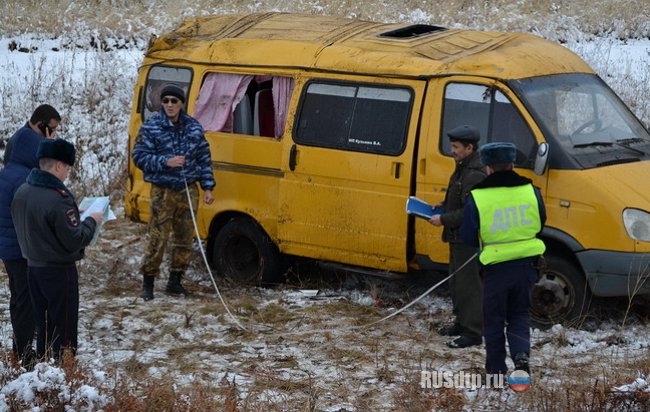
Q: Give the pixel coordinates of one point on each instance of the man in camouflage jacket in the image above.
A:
(173, 154)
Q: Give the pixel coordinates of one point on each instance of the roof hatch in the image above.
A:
(413, 31)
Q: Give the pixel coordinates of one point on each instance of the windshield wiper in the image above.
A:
(621, 143)
(618, 161)
(581, 145)
(626, 142)
(631, 140)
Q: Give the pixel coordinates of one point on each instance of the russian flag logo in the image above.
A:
(519, 381)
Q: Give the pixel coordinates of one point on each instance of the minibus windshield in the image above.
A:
(583, 120)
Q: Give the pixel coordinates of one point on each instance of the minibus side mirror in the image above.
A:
(541, 160)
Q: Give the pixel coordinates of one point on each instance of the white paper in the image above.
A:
(90, 205)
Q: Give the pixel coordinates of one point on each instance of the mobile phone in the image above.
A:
(44, 128)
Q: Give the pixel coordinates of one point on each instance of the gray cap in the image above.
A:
(464, 133)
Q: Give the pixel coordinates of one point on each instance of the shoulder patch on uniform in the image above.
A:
(71, 214)
(62, 192)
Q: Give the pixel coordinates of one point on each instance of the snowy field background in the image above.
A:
(299, 352)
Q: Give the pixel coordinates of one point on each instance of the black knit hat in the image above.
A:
(464, 133)
(173, 90)
(57, 149)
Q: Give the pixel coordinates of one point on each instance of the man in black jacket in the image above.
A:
(19, 160)
(52, 238)
(465, 285)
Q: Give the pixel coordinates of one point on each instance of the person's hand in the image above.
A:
(98, 216)
(436, 220)
(208, 197)
(176, 161)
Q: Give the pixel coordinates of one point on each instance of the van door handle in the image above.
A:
(397, 168)
(293, 155)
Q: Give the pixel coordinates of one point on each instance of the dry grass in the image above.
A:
(368, 369)
(123, 395)
(119, 23)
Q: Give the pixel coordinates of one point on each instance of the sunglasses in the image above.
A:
(170, 100)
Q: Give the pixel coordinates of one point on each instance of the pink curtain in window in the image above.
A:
(261, 78)
(282, 89)
(218, 98)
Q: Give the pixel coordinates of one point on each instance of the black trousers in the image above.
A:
(20, 306)
(506, 303)
(465, 289)
(55, 296)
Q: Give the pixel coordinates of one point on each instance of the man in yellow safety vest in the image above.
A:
(503, 216)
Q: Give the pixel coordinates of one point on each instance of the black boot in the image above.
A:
(147, 287)
(521, 362)
(174, 284)
(28, 359)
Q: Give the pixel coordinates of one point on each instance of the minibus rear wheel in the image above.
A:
(244, 253)
(560, 295)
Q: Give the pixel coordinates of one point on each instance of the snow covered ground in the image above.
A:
(299, 351)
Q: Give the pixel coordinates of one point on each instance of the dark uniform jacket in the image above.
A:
(468, 173)
(47, 222)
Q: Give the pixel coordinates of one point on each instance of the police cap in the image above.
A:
(57, 149)
(498, 153)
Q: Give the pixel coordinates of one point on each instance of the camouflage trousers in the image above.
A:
(170, 214)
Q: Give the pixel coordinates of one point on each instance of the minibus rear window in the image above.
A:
(354, 117)
(159, 77)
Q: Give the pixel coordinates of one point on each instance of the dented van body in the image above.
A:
(321, 127)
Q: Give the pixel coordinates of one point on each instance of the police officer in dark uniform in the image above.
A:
(52, 238)
(465, 285)
(504, 215)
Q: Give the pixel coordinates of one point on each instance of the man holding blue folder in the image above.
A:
(464, 286)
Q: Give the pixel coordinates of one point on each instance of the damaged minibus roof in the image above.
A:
(357, 46)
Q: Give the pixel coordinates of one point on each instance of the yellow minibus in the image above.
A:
(321, 127)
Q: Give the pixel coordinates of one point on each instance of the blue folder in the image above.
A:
(420, 208)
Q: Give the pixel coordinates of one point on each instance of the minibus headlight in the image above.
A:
(637, 224)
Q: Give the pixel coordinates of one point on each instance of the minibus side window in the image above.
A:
(244, 104)
(356, 117)
(492, 113)
(159, 77)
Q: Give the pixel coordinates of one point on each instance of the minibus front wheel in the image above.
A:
(244, 253)
(560, 295)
